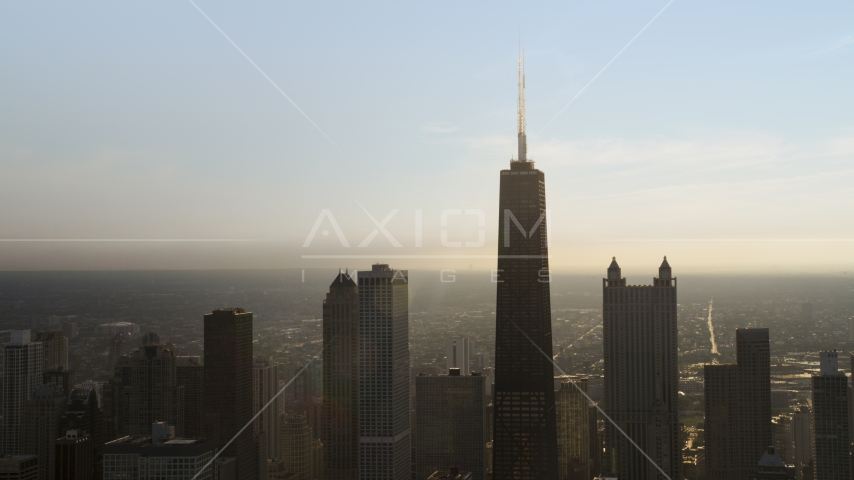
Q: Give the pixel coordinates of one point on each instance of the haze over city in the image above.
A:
(721, 135)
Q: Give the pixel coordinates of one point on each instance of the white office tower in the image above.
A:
(22, 373)
(801, 440)
(830, 420)
(458, 355)
(384, 434)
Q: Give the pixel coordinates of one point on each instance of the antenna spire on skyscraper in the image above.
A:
(521, 122)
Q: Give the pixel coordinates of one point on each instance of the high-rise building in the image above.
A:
(55, 347)
(119, 346)
(317, 460)
(641, 375)
(74, 453)
(295, 446)
(458, 355)
(781, 428)
(340, 418)
(384, 434)
(801, 440)
(450, 421)
(152, 396)
(738, 408)
(69, 329)
(830, 420)
(228, 385)
(573, 430)
(22, 374)
(190, 376)
(42, 427)
(524, 438)
(265, 384)
(59, 377)
(19, 467)
(83, 413)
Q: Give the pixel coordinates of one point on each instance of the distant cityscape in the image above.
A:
(519, 373)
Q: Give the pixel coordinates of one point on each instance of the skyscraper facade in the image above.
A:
(42, 427)
(151, 395)
(573, 431)
(265, 383)
(641, 375)
(340, 414)
(228, 385)
(83, 413)
(296, 446)
(524, 438)
(22, 374)
(450, 424)
(74, 456)
(801, 440)
(830, 446)
(738, 408)
(55, 347)
(190, 376)
(384, 434)
(458, 355)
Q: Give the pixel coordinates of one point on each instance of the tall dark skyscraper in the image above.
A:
(738, 408)
(384, 433)
(830, 420)
(339, 425)
(450, 415)
(190, 376)
(228, 385)
(641, 375)
(524, 434)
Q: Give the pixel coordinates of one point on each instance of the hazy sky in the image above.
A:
(722, 137)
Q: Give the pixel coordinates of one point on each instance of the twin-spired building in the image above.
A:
(641, 375)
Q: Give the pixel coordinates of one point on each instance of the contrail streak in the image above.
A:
(712, 332)
(266, 76)
(592, 402)
(605, 67)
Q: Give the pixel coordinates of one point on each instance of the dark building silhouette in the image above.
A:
(42, 426)
(74, 453)
(150, 338)
(228, 385)
(190, 377)
(83, 413)
(340, 414)
(151, 396)
(384, 433)
(450, 418)
(738, 408)
(641, 375)
(60, 378)
(772, 467)
(524, 435)
(830, 446)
